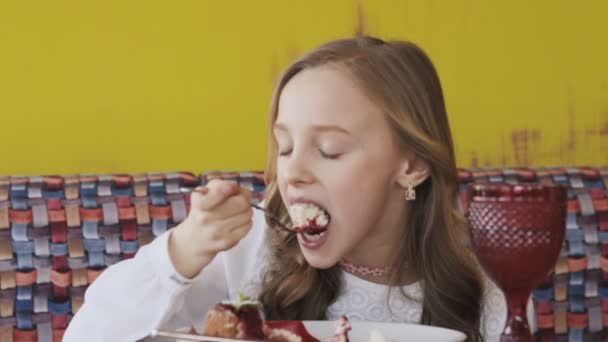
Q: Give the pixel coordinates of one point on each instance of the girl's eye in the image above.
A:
(284, 153)
(329, 155)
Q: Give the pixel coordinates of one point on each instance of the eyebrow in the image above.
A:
(321, 128)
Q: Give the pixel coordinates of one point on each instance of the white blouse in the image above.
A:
(136, 296)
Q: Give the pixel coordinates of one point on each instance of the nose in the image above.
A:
(297, 169)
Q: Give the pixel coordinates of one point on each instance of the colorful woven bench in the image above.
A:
(57, 234)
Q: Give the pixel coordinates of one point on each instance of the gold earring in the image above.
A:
(410, 193)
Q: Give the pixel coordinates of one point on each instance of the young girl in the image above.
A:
(359, 128)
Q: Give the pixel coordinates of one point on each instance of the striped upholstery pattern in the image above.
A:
(58, 233)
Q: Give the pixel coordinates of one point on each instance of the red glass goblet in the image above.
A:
(517, 231)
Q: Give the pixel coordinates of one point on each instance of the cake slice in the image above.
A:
(242, 319)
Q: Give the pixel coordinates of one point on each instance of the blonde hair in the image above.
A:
(400, 77)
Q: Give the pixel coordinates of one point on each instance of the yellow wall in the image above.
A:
(111, 86)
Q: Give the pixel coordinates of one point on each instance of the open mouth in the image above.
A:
(309, 219)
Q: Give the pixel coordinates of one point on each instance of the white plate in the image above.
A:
(395, 332)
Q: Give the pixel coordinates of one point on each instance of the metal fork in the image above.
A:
(268, 214)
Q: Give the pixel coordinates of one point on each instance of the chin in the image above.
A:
(320, 261)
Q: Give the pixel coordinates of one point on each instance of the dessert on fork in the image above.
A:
(308, 218)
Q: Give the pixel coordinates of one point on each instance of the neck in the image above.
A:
(382, 246)
(384, 241)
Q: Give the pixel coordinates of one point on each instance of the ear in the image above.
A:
(413, 171)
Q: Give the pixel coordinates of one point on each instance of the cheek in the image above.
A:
(359, 194)
(282, 185)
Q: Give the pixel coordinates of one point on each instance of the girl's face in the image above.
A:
(337, 150)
